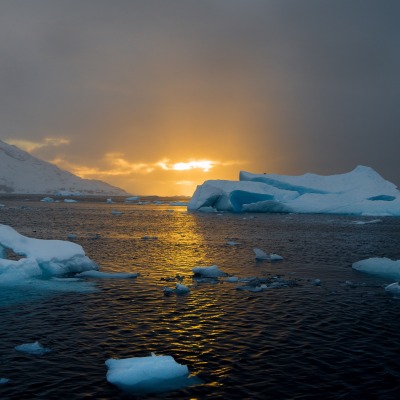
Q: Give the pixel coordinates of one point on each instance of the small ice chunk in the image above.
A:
(72, 236)
(316, 282)
(32, 348)
(106, 275)
(153, 374)
(383, 267)
(208, 272)
(70, 201)
(4, 381)
(393, 288)
(47, 200)
(261, 255)
(232, 279)
(232, 243)
(181, 289)
(109, 201)
(116, 212)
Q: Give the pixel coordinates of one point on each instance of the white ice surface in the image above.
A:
(106, 275)
(208, 272)
(148, 374)
(383, 267)
(360, 192)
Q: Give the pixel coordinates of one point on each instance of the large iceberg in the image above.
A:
(359, 192)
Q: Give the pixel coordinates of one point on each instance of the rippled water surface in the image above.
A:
(338, 340)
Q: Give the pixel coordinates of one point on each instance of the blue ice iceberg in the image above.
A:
(359, 192)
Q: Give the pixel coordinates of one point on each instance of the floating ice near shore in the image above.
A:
(153, 374)
(208, 272)
(383, 267)
(106, 275)
(360, 192)
(32, 348)
(261, 255)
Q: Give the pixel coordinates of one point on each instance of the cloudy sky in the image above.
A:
(158, 96)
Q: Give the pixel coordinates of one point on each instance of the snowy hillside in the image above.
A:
(22, 173)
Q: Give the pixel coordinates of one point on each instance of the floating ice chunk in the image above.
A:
(55, 257)
(208, 272)
(232, 243)
(72, 236)
(70, 201)
(383, 267)
(3, 381)
(47, 200)
(181, 289)
(232, 279)
(261, 255)
(373, 221)
(393, 288)
(109, 201)
(149, 237)
(133, 198)
(116, 212)
(106, 275)
(32, 348)
(316, 282)
(153, 374)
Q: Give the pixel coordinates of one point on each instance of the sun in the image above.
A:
(204, 165)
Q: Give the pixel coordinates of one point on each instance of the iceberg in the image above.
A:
(152, 374)
(359, 192)
(382, 267)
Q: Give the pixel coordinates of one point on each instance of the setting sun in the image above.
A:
(204, 165)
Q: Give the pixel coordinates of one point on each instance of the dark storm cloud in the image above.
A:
(292, 85)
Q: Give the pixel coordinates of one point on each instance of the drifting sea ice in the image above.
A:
(394, 289)
(32, 348)
(261, 255)
(106, 275)
(4, 381)
(208, 272)
(152, 374)
(383, 267)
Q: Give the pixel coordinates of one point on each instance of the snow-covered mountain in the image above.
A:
(21, 173)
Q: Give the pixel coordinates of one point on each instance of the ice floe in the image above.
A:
(32, 348)
(394, 289)
(208, 272)
(382, 267)
(106, 275)
(261, 255)
(152, 374)
(360, 192)
(3, 381)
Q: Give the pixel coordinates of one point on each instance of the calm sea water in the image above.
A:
(338, 340)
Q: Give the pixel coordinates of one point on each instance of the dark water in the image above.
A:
(339, 340)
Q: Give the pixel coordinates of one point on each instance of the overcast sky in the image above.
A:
(158, 96)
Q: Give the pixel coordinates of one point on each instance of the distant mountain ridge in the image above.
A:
(22, 173)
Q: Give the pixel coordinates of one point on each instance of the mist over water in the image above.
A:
(334, 340)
